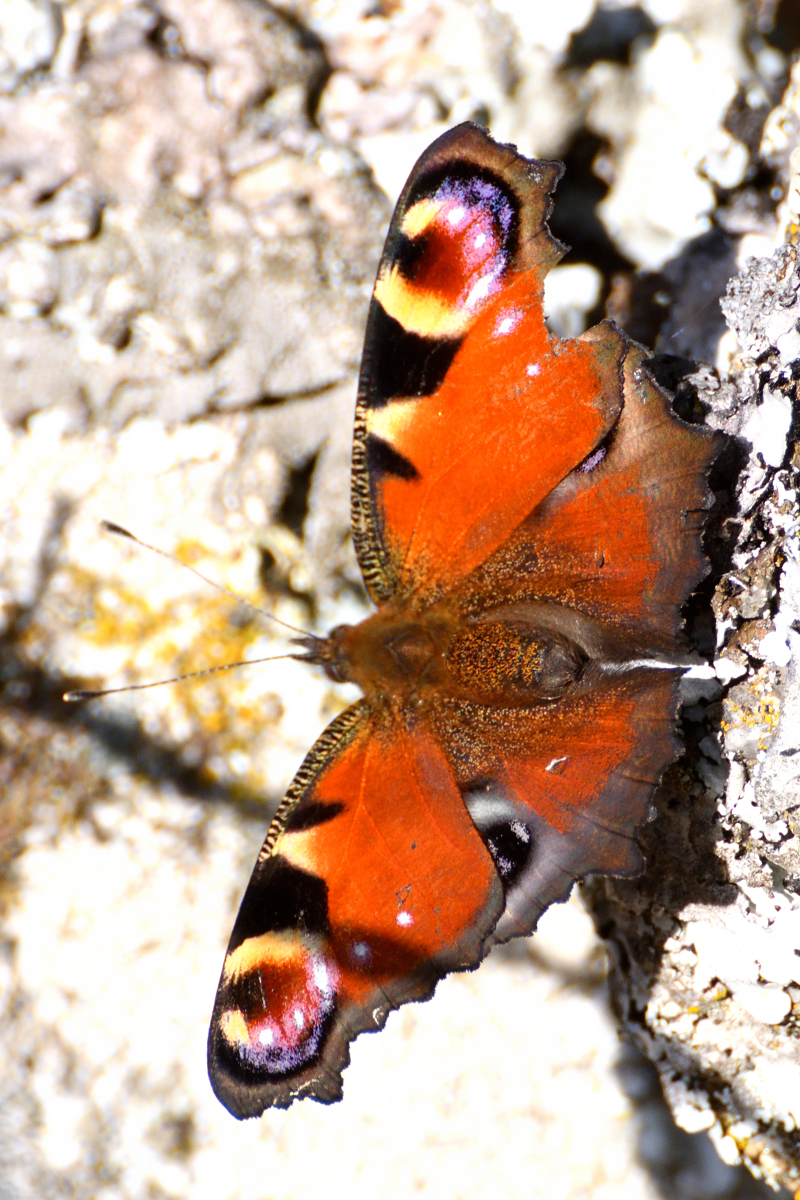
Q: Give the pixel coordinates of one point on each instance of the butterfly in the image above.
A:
(527, 514)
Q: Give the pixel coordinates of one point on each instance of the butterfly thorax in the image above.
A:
(498, 660)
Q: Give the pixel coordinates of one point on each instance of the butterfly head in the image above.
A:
(326, 652)
(383, 647)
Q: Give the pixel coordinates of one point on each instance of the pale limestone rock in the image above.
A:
(188, 232)
(29, 35)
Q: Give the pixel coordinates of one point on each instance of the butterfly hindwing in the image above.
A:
(559, 791)
(373, 883)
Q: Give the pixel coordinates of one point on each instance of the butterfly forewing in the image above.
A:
(374, 885)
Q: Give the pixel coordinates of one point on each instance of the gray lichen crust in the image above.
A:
(706, 948)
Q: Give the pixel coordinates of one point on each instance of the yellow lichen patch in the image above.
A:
(112, 615)
(760, 711)
(191, 551)
(216, 721)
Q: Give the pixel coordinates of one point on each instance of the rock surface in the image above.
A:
(707, 945)
(193, 195)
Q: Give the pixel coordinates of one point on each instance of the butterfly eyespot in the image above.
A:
(508, 838)
(510, 845)
(451, 258)
(281, 1012)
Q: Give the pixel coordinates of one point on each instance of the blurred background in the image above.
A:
(193, 197)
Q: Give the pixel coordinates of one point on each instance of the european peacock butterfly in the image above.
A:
(527, 516)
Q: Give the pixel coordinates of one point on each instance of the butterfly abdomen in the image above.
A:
(512, 662)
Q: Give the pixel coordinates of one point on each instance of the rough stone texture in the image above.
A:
(706, 947)
(192, 199)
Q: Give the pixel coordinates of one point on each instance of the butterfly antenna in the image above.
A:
(80, 694)
(120, 531)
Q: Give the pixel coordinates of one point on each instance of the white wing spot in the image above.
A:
(508, 321)
(521, 831)
(533, 369)
(556, 762)
(480, 290)
(405, 918)
(321, 977)
(266, 1037)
